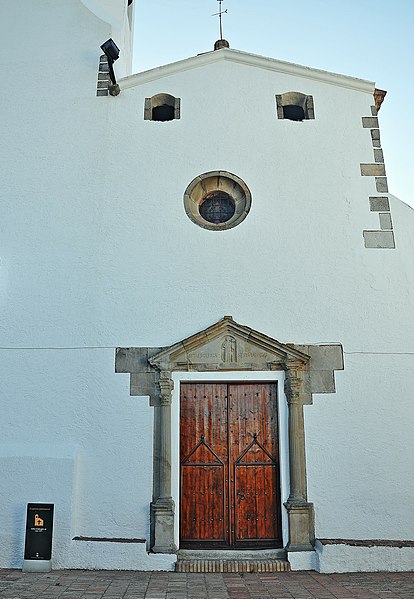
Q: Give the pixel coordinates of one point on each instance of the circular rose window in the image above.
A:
(217, 207)
(217, 200)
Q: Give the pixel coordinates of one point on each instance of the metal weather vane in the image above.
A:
(219, 14)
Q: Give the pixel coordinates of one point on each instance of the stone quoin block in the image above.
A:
(373, 170)
(379, 239)
(385, 221)
(143, 383)
(376, 138)
(381, 183)
(322, 381)
(134, 359)
(370, 122)
(379, 204)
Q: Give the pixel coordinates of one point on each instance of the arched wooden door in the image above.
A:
(229, 461)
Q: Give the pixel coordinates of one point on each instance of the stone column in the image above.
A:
(162, 508)
(300, 512)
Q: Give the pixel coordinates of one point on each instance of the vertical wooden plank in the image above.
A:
(253, 427)
(203, 462)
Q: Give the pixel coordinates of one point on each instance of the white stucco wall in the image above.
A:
(107, 216)
(343, 558)
(72, 436)
(96, 252)
(359, 450)
(48, 472)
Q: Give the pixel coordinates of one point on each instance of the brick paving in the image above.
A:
(84, 584)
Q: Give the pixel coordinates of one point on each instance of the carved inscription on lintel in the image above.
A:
(229, 350)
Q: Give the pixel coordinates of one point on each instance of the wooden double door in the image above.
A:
(229, 462)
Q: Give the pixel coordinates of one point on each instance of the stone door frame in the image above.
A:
(228, 346)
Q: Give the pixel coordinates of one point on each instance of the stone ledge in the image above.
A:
(367, 542)
(109, 540)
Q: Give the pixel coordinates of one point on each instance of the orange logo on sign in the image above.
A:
(38, 521)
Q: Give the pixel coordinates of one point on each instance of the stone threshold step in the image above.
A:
(236, 555)
(227, 565)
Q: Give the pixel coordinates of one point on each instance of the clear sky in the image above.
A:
(370, 39)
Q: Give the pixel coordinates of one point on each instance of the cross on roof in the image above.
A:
(219, 14)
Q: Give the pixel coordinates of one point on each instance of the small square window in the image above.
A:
(162, 107)
(294, 106)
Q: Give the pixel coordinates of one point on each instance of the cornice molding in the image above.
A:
(247, 59)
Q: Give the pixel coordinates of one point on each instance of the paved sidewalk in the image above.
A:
(83, 584)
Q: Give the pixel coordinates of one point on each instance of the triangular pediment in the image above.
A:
(247, 59)
(227, 345)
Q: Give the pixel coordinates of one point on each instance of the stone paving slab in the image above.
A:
(103, 584)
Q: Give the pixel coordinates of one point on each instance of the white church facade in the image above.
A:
(207, 296)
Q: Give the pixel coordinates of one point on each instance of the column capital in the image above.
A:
(294, 382)
(166, 387)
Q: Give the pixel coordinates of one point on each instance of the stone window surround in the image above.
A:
(211, 181)
(295, 99)
(305, 369)
(158, 100)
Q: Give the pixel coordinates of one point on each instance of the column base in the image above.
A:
(162, 516)
(301, 525)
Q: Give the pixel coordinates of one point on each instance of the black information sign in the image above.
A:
(39, 525)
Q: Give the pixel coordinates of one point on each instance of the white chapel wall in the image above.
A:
(96, 252)
(358, 448)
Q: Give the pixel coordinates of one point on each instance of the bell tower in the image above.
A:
(56, 53)
(119, 15)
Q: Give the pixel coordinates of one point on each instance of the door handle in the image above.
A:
(240, 495)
